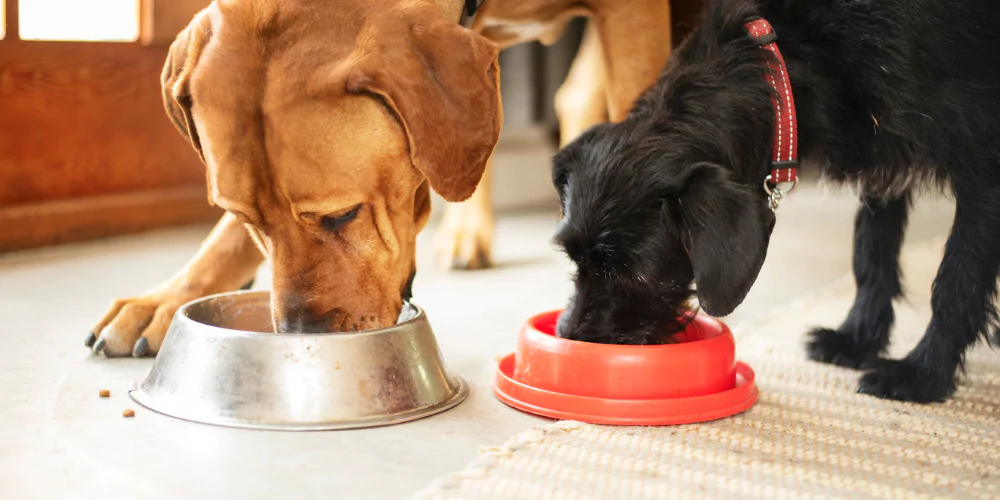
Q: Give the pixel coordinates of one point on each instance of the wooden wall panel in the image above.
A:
(86, 149)
(81, 219)
(85, 119)
(10, 11)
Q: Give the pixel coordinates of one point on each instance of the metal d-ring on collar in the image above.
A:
(774, 192)
(469, 12)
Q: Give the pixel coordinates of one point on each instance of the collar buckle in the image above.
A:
(760, 31)
(783, 173)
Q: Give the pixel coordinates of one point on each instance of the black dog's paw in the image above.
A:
(904, 381)
(841, 349)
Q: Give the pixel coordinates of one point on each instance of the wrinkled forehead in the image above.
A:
(327, 152)
(268, 128)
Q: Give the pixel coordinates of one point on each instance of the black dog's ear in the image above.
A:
(728, 226)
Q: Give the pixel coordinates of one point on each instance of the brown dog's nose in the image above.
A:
(301, 325)
(293, 315)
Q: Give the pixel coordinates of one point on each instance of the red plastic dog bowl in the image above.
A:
(694, 380)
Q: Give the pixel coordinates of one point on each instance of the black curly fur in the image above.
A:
(892, 95)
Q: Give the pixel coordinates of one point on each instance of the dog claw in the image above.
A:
(141, 347)
(99, 346)
(91, 338)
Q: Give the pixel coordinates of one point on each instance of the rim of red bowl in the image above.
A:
(716, 332)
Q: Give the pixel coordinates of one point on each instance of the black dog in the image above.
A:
(892, 95)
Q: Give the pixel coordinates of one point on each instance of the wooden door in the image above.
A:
(86, 149)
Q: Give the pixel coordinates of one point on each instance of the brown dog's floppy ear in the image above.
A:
(176, 77)
(728, 228)
(442, 82)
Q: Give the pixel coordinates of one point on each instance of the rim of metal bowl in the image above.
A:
(182, 314)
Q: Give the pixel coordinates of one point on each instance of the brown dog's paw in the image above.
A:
(465, 238)
(135, 326)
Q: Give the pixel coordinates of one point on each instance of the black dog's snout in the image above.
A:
(569, 322)
(563, 326)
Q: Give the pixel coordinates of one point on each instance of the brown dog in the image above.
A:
(323, 125)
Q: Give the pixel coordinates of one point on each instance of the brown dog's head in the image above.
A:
(323, 126)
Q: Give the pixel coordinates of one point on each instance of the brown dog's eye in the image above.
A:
(337, 222)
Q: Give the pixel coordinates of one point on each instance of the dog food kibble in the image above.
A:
(104, 393)
(128, 413)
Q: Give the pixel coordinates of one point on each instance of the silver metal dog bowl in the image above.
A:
(222, 364)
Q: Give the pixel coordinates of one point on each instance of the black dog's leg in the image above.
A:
(864, 335)
(962, 302)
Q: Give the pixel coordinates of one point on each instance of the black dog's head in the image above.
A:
(669, 197)
(641, 222)
(673, 195)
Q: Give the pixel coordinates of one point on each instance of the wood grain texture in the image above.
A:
(162, 20)
(12, 20)
(65, 221)
(85, 119)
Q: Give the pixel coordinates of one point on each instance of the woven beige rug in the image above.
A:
(810, 434)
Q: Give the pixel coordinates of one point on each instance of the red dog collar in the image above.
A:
(785, 162)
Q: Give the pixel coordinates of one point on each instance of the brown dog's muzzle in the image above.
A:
(294, 315)
(298, 312)
(319, 287)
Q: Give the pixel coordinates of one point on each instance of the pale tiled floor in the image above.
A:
(59, 440)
